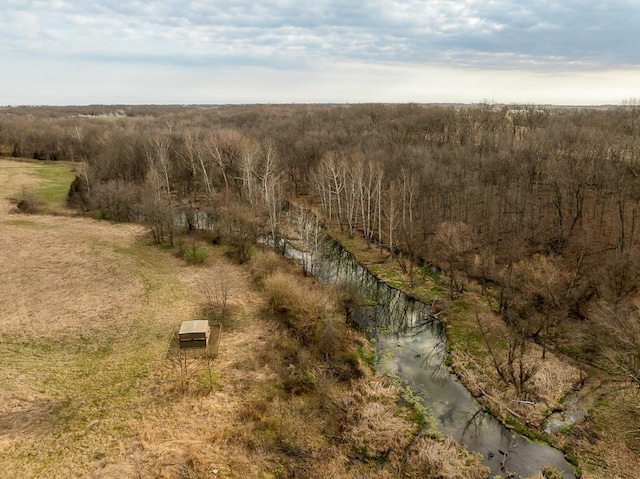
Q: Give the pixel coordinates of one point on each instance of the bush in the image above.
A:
(266, 262)
(303, 309)
(116, 200)
(28, 204)
(239, 230)
(443, 459)
(157, 212)
(309, 311)
(78, 195)
(216, 289)
(194, 254)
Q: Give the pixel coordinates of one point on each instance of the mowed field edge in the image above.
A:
(85, 313)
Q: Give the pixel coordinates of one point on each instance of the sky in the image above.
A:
(76, 52)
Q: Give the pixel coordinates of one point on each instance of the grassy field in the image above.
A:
(47, 182)
(86, 311)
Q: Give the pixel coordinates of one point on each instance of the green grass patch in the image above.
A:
(427, 292)
(427, 272)
(208, 379)
(376, 269)
(415, 409)
(368, 357)
(460, 308)
(523, 430)
(509, 421)
(55, 179)
(549, 472)
(195, 255)
(390, 275)
(356, 245)
(349, 243)
(466, 337)
(20, 222)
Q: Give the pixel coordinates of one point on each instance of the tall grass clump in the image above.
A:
(310, 313)
(191, 251)
(194, 255)
(443, 459)
(305, 310)
(28, 204)
(265, 262)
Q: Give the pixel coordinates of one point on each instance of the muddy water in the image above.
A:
(411, 345)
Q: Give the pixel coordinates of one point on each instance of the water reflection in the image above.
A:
(410, 343)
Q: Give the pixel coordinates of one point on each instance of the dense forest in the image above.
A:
(539, 205)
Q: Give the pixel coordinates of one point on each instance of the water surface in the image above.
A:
(410, 344)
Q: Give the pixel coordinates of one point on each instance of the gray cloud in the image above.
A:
(498, 33)
(310, 50)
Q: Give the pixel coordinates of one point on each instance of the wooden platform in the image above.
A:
(211, 351)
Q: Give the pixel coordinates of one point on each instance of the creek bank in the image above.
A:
(450, 313)
(572, 408)
(411, 345)
(577, 405)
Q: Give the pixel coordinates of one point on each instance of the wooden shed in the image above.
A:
(194, 334)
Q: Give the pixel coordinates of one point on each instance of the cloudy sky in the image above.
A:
(283, 51)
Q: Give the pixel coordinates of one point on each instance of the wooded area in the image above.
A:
(538, 204)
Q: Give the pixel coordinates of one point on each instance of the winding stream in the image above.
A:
(410, 345)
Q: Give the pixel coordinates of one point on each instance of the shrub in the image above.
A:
(78, 195)
(266, 262)
(309, 311)
(115, 200)
(240, 231)
(216, 289)
(303, 309)
(443, 459)
(28, 204)
(194, 254)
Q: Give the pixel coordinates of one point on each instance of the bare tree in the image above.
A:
(217, 291)
(158, 157)
(271, 178)
(512, 367)
(453, 242)
(310, 230)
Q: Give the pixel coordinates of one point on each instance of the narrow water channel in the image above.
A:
(412, 346)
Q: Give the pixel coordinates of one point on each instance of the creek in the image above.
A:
(411, 345)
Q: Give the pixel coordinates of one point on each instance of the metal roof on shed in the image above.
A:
(194, 326)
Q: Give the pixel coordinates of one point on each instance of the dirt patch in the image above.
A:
(25, 414)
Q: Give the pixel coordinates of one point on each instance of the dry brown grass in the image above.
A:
(374, 427)
(305, 308)
(552, 380)
(15, 176)
(86, 391)
(59, 280)
(609, 441)
(264, 263)
(555, 375)
(607, 445)
(372, 424)
(431, 458)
